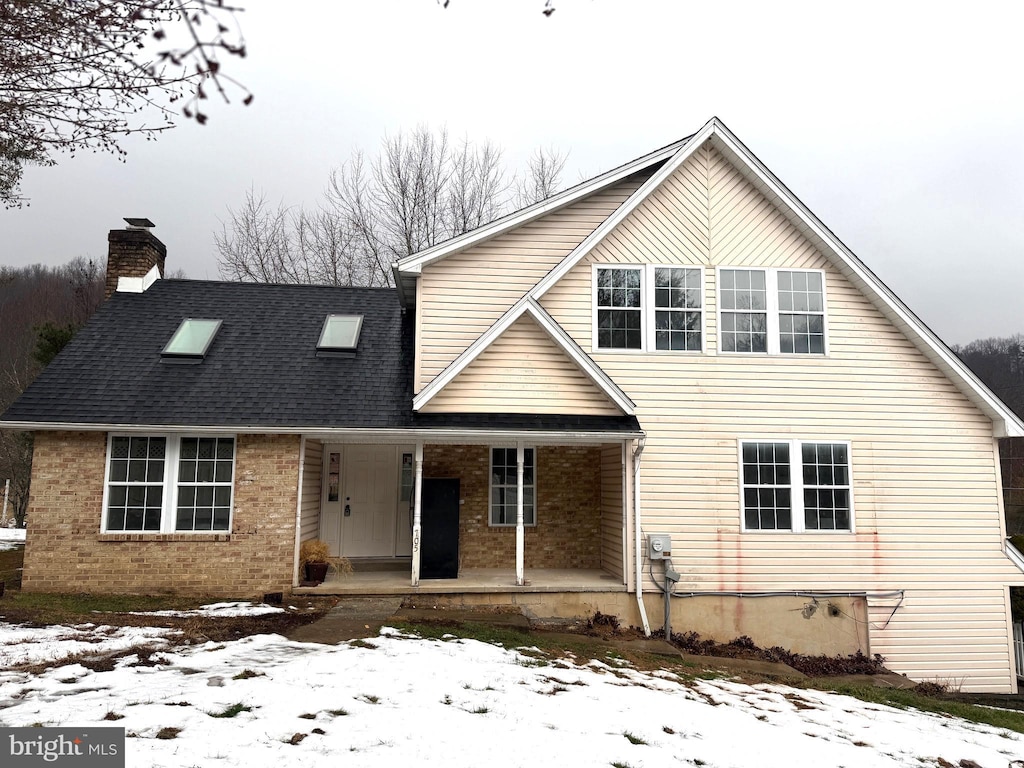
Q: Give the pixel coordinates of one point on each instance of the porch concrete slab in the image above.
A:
(352, 618)
(470, 580)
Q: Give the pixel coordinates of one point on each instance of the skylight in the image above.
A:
(340, 333)
(192, 338)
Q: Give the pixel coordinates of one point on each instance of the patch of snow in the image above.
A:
(34, 645)
(10, 538)
(466, 703)
(225, 610)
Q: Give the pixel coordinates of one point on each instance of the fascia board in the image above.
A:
(414, 263)
(891, 304)
(605, 227)
(1013, 554)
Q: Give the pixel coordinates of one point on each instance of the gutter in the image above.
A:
(340, 434)
(638, 555)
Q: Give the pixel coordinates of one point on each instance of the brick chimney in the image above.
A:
(133, 252)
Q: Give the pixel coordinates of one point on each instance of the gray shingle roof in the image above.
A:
(261, 370)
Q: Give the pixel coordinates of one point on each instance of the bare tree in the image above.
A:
(417, 191)
(84, 74)
(543, 176)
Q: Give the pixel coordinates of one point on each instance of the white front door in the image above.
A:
(368, 501)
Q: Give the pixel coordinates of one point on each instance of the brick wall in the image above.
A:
(567, 534)
(65, 551)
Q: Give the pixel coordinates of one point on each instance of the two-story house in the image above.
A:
(675, 352)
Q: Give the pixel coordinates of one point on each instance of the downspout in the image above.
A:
(298, 514)
(638, 554)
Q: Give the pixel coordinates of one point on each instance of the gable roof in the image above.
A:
(1006, 422)
(527, 305)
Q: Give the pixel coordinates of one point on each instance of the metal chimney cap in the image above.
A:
(140, 223)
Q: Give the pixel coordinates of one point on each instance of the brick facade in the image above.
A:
(567, 534)
(65, 551)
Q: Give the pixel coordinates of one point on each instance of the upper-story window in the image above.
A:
(620, 308)
(649, 307)
(778, 311)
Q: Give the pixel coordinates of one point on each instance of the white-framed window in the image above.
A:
(795, 485)
(168, 484)
(773, 311)
(504, 486)
(648, 307)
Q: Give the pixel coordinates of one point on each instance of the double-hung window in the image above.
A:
(169, 483)
(775, 311)
(649, 308)
(620, 307)
(796, 485)
(505, 484)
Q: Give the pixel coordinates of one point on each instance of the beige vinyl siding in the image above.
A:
(312, 474)
(460, 296)
(523, 371)
(926, 502)
(611, 509)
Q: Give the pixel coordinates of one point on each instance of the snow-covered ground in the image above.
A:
(399, 699)
(11, 538)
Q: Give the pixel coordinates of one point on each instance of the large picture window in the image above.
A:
(773, 311)
(796, 485)
(166, 483)
(504, 486)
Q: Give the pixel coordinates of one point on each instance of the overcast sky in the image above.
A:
(898, 123)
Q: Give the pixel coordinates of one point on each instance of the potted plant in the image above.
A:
(314, 559)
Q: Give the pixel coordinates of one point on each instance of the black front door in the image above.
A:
(439, 529)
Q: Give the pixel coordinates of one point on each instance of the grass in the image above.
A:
(633, 739)
(47, 608)
(904, 698)
(232, 711)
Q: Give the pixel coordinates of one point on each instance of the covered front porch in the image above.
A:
(540, 512)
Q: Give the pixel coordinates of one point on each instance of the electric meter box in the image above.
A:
(659, 546)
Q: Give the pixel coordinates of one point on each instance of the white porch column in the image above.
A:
(520, 526)
(417, 509)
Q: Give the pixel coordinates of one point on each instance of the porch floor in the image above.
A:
(479, 580)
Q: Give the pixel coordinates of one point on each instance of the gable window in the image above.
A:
(774, 311)
(649, 308)
(744, 301)
(678, 308)
(794, 485)
(504, 484)
(165, 483)
(619, 308)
